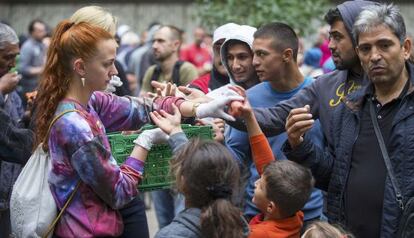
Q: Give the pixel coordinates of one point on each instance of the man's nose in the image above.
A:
(331, 45)
(375, 54)
(255, 61)
(12, 63)
(236, 64)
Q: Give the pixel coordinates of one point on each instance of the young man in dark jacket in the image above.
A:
(360, 192)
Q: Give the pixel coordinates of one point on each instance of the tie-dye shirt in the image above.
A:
(80, 150)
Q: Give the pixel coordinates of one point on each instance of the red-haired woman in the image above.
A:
(80, 63)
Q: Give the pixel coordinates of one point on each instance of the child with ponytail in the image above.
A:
(208, 177)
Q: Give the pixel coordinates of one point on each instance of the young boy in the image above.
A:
(282, 190)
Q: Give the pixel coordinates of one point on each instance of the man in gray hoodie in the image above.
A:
(328, 91)
(237, 57)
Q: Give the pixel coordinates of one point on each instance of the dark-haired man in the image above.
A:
(166, 45)
(275, 50)
(237, 57)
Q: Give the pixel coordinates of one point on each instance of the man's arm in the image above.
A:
(319, 161)
(301, 149)
(272, 120)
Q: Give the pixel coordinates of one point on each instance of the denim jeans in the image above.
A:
(167, 205)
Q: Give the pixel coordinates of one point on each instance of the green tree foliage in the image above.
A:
(300, 14)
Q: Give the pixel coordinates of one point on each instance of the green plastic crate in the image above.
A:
(157, 169)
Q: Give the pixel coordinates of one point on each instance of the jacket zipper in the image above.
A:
(349, 157)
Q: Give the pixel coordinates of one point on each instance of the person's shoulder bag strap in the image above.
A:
(176, 72)
(53, 224)
(157, 72)
(384, 152)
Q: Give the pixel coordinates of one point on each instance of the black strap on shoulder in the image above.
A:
(157, 72)
(175, 74)
(385, 155)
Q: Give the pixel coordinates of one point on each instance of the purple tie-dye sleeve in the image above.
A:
(72, 141)
(128, 113)
(121, 113)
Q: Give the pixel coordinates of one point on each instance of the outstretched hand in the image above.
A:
(166, 89)
(194, 95)
(216, 107)
(298, 122)
(240, 108)
(150, 137)
(169, 123)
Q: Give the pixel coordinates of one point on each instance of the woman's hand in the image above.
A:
(216, 108)
(150, 137)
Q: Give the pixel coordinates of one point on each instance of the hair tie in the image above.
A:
(219, 191)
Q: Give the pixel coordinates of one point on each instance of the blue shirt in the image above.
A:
(263, 95)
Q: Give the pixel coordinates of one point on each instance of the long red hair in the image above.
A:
(69, 41)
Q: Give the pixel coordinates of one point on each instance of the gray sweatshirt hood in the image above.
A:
(224, 31)
(349, 12)
(243, 33)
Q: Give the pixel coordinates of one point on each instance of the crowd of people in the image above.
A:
(309, 143)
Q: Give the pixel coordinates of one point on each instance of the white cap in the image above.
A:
(224, 31)
(242, 33)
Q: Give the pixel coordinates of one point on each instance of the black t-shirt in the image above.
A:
(364, 193)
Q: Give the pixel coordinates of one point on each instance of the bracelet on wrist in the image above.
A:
(194, 108)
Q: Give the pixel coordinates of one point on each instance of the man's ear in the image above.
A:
(79, 67)
(357, 51)
(177, 45)
(287, 55)
(407, 48)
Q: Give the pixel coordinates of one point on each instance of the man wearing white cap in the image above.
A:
(218, 76)
(237, 57)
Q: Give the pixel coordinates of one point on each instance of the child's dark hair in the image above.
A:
(208, 176)
(289, 185)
